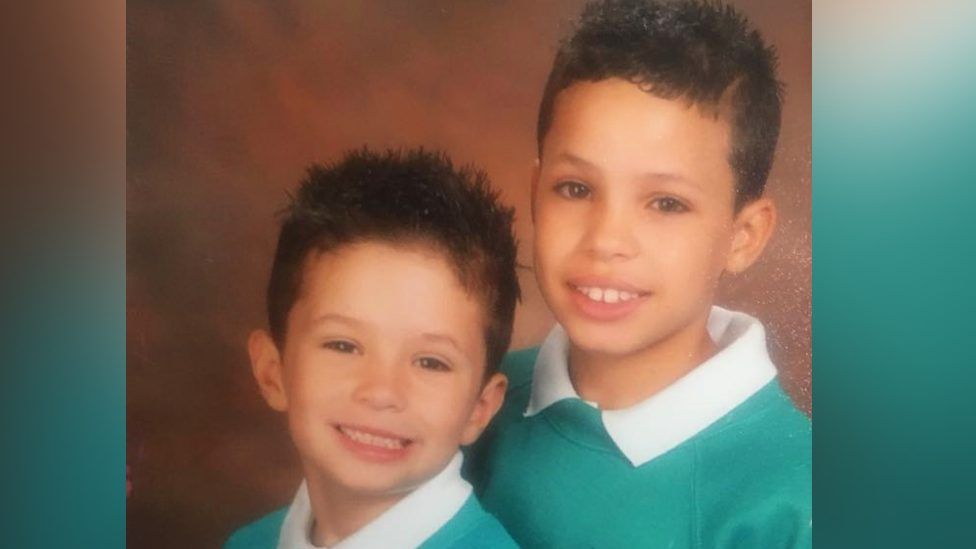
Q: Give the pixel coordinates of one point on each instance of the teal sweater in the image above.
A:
(470, 527)
(556, 479)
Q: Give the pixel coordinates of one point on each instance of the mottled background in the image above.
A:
(229, 101)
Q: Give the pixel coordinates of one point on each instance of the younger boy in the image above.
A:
(649, 417)
(390, 306)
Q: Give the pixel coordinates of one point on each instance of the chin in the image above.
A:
(607, 340)
(376, 486)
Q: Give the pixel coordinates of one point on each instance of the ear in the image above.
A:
(751, 231)
(534, 178)
(266, 367)
(489, 402)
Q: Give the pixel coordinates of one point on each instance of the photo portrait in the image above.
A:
(228, 105)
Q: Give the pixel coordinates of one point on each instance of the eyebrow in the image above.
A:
(429, 336)
(335, 317)
(579, 161)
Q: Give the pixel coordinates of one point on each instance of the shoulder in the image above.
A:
(766, 436)
(755, 473)
(518, 367)
(472, 527)
(260, 534)
(488, 533)
(767, 414)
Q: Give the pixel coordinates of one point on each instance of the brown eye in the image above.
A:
(573, 189)
(431, 363)
(669, 204)
(341, 346)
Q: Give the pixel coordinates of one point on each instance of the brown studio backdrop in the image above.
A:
(229, 101)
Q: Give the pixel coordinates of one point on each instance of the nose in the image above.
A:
(611, 233)
(381, 386)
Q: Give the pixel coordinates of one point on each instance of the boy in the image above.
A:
(390, 306)
(649, 417)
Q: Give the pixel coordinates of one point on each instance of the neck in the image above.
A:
(341, 513)
(615, 381)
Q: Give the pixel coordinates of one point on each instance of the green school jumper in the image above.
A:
(470, 527)
(557, 479)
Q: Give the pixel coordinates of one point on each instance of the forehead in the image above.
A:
(361, 263)
(400, 287)
(620, 127)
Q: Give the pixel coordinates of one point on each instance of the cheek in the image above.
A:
(447, 410)
(713, 265)
(306, 419)
(694, 256)
(311, 388)
(557, 230)
(719, 246)
(307, 410)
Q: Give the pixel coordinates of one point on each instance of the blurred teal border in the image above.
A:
(894, 203)
(63, 462)
(62, 276)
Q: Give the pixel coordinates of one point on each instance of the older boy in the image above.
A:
(390, 306)
(649, 417)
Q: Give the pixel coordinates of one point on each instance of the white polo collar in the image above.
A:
(654, 426)
(409, 523)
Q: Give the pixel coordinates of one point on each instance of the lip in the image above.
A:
(606, 282)
(601, 311)
(372, 452)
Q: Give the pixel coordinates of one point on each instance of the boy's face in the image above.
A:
(381, 373)
(633, 203)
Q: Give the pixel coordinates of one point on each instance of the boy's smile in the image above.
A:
(634, 215)
(373, 444)
(603, 298)
(381, 372)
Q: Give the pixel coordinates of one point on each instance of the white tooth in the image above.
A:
(596, 294)
(611, 295)
(373, 440)
(625, 296)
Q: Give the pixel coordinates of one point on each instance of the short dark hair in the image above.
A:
(691, 49)
(412, 197)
